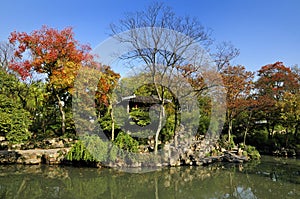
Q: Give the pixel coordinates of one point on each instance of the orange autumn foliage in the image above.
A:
(49, 51)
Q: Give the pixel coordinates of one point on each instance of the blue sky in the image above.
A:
(265, 31)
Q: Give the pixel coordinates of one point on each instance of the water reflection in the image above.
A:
(270, 178)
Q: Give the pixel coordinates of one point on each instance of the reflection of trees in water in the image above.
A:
(214, 181)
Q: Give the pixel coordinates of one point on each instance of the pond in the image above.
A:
(268, 178)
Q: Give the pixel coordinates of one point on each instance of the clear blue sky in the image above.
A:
(265, 31)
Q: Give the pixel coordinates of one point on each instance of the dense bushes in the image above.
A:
(14, 120)
(93, 149)
(126, 142)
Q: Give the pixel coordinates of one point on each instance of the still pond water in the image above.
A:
(268, 178)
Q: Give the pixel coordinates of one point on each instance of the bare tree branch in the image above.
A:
(225, 53)
(6, 55)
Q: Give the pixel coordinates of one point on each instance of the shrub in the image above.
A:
(126, 142)
(227, 144)
(79, 152)
(252, 152)
(14, 120)
(92, 148)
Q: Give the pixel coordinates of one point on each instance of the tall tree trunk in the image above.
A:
(176, 122)
(245, 135)
(112, 123)
(63, 115)
(247, 128)
(161, 114)
(229, 131)
(161, 117)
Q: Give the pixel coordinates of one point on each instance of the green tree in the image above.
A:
(14, 119)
